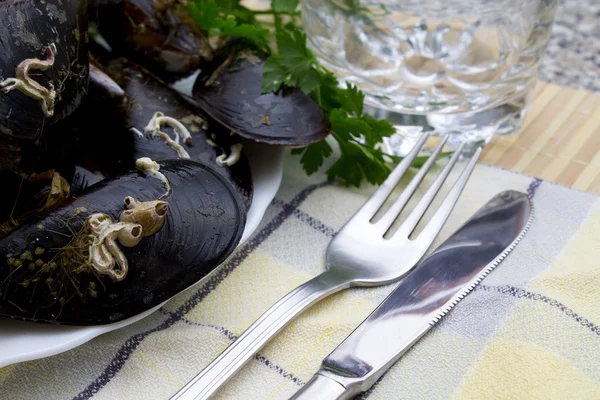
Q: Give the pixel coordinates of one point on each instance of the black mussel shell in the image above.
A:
(20, 156)
(28, 193)
(157, 34)
(83, 178)
(203, 225)
(121, 106)
(54, 150)
(21, 195)
(228, 89)
(43, 52)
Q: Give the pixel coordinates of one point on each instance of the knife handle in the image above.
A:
(322, 388)
(221, 369)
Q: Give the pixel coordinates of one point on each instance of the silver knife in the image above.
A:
(420, 301)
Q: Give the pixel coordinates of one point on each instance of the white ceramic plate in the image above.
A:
(25, 341)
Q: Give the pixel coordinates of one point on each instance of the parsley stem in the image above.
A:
(277, 18)
(318, 96)
(418, 161)
(395, 158)
(271, 12)
(336, 136)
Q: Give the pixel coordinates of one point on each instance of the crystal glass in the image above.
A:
(465, 67)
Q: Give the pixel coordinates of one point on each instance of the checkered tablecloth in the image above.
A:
(531, 330)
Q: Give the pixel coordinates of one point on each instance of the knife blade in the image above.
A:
(420, 301)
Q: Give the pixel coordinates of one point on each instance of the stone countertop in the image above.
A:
(573, 55)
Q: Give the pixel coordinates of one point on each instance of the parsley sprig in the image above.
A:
(293, 64)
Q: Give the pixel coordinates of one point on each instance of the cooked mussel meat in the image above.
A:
(122, 247)
(228, 89)
(132, 114)
(157, 34)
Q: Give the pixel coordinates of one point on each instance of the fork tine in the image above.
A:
(417, 213)
(372, 205)
(392, 213)
(434, 226)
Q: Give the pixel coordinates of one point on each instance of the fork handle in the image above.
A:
(207, 382)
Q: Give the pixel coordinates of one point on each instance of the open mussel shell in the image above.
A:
(122, 106)
(43, 64)
(228, 89)
(45, 274)
(157, 34)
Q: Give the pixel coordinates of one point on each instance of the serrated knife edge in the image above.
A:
(413, 308)
(491, 266)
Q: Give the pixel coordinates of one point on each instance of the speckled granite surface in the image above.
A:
(573, 55)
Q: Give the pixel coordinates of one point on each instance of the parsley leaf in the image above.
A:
(294, 65)
(274, 75)
(379, 129)
(205, 13)
(230, 27)
(314, 155)
(351, 99)
(356, 163)
(284, 6)
(228, 19)
(328, 94)
(346, 127)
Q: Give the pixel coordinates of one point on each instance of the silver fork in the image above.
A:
(359, 255)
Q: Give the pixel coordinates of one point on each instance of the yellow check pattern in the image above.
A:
(530, 331)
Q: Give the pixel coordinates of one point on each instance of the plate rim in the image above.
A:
(269, 167)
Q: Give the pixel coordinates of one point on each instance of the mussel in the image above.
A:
(228, 89)
(121, 247)
(43, 64)
(22, 196)
(43, 76)
(82, 178)
(131, 114)
(27, 195)
(157, 34)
